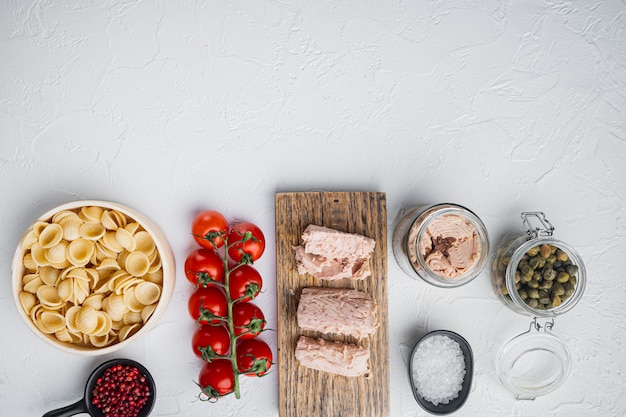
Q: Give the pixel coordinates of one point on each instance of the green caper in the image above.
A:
(525, 269)
(562, 255)
(558, 289)
(548, 273)
(504, 290)
(533, 284)
(569, 288)
(550, 259)
(533, 293)
(556, 300)
(525, 278)
(517, 277)
(523, 294)
(545, 250)
(533, 251)
(557, 264)
(534, 262)
(573, 280)
(518, 285)
(537, 277)
(553, 249)
(541, 261)
(542, 293)
(532, 302)
(544, 300)
(562, 277)
(571, 269)
(545, 284)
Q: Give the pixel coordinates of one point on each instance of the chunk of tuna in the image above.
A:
(330, 254)
(335, 357)
(340, 311)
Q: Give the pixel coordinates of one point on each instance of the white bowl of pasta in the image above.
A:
(90, 277)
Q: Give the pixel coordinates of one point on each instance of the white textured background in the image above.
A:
(175, 106)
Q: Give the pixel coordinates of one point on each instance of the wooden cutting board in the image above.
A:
(304, 392)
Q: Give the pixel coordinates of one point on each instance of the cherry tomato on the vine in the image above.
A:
(248, 242)
(207, 304)
(254, 357)
(244, 283)
(208, 229)
(248, 320)
(204, 267)
(217, 378)
(210, 340)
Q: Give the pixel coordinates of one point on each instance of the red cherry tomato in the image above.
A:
(244, 283)
(207, 304)
(247, 243)
(204, 267)
(254, 357)
(208, 228)
(209, 341)
(217, 378)
(248, 320)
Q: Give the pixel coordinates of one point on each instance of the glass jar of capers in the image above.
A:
(535, 274)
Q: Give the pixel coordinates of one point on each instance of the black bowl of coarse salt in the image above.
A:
(440, 370)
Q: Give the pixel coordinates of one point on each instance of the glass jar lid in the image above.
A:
(533, 363)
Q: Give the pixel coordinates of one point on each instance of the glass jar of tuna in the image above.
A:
(535, 274)
(446, 244)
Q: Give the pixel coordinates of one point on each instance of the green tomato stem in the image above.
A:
(231, 324)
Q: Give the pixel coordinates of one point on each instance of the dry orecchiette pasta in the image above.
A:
(92, 276)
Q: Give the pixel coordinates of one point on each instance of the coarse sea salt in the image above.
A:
(438, 369)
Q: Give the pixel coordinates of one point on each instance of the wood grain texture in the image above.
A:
(305, 392)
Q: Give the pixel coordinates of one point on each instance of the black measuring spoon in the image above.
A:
(84, 405)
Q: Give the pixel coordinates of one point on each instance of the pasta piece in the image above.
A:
(29, 263)
(127, 331)
(109, 241)
(57, 255)
(49, 275)
(132, 317)
(101, 341)
(132, 227)
(65, 289)
(51, 235)
(79, 251)
(49, 297)
(113, 219)
(70, 224)
(92, 231)
(38, 228)
(64, 335)
(109, 264)
(58, 217)
(27, 301)
(125, 239)
(147, 293)
(50, 321)
(91, 214)
(147, 311)
(94, 301)
(137, 263)
(38, 255)
(86, 320)
(131, 300)
(32, 285)
(145, 243)
(29, 240)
